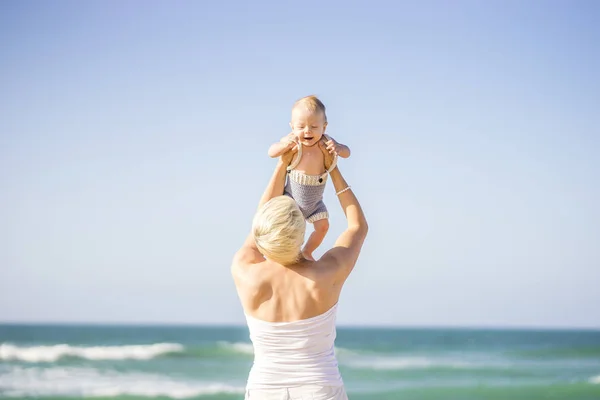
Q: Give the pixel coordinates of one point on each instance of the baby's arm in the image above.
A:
(341, 149)
(286, 143)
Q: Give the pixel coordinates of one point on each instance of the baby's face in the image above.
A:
(308, 126)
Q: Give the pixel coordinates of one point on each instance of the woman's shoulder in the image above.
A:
(333, 266)
(250, 278)
(245, 263)
(321, 273)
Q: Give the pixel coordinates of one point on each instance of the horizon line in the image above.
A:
(155, 324)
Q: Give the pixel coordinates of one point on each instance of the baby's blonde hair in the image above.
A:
(312, 104)
(278, 229)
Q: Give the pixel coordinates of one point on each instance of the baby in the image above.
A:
(307, 174)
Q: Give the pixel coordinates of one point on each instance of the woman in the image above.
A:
(290, 303)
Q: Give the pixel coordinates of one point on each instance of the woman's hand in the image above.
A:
(287, 157)
(327, 156)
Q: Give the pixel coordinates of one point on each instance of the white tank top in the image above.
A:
(297, 353)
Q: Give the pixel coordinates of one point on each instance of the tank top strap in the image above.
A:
(333, 164)
(295, 162)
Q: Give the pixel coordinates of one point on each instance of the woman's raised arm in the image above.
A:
(344, 254)
(274, 188)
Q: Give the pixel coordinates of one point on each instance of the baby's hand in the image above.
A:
(333, 147)
(290, 139)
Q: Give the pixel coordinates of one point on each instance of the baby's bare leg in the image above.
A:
(316, 238)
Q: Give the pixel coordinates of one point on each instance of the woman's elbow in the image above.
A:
(365, 228)
(361, 228)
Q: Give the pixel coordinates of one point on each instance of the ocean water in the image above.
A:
(210, 363)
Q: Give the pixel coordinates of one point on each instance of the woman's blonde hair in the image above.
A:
(278, 229)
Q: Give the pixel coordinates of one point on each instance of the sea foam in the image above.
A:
(399, 362)
(90, 382)
(52, 353)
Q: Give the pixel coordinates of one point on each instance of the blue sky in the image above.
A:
(134, 137)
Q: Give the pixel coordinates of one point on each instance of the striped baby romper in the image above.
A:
(308, 190)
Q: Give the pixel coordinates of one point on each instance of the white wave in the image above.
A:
(89, 382)
(52, 353)
(343, 351)
(595, 380)
(392, 363)
(238, 347)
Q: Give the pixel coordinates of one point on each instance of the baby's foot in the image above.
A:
(307, 256)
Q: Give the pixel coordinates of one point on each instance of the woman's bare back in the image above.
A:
(275, 293)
